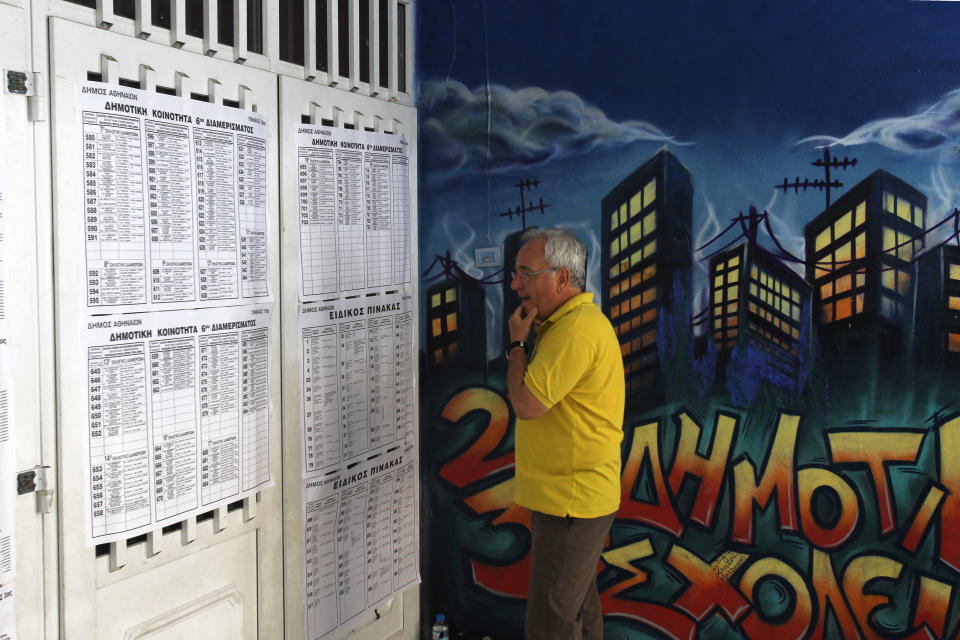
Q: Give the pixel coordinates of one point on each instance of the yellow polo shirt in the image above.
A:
(568, 459)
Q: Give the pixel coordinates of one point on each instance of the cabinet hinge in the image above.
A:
(29, 84)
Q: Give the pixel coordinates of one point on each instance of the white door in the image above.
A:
(17, 159)
(304, 102)
(213, 575)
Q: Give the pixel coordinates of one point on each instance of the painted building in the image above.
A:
(859, 250)
(646, 271)
(937, 330)
(455, 321)
(860, 260)
(758, 302)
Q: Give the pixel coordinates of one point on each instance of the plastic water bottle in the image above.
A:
(441, 630)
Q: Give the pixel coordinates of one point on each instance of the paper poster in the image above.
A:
(8, 450)
(8, 613)
(357, 377)
(178, 415)
(8, 467)
(354, 210)
(360, 538)
(175, 196)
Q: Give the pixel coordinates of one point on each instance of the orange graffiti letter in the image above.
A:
(707, 591)
(646, 447)
(777, 477)
(812, 480)
(933, 603)
(950, 479)
(707, 469)
(860, 572)
(876, 449)
(830, 598)
(797, 622)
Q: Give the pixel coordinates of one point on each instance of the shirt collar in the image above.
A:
(568, 306)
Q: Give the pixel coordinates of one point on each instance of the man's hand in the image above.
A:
(519, 323)
(525, 404)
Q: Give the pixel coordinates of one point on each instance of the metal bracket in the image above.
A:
(26, 482)
(21, 83)
(16, 82)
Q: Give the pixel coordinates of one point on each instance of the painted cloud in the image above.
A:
(521, 128)
(931, 129)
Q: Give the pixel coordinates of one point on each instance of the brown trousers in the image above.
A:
(563, 602)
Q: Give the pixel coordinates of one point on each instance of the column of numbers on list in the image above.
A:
(320, 553)
(403, 380)
(351, 550)
(118, 438)
(379, 539)
(219, 412)
(350, 220)
(317, 207)
(114, 213)
(170, 205)
(255, 403)
(217, 223)
(382, 401)
(404, 524)
(379, 226)
(321, 417)
(355, 435)
(252, 207)
(174, 420)
(400, 184)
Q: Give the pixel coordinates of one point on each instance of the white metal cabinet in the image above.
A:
(211, 579)
(227, 576)
(23, 282)
(302, 101)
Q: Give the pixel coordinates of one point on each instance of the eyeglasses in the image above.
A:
(526, 275)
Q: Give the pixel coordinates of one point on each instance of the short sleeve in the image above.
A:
(559, 362)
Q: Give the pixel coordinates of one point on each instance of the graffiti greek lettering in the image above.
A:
(819, 594)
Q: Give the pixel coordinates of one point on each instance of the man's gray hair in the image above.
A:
(562, 250)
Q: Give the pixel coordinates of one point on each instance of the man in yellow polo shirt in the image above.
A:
(568, 397)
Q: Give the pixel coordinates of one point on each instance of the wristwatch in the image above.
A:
(518, 343)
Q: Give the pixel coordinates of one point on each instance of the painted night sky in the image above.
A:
(580, 95)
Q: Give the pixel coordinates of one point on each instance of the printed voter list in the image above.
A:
(175, 201)
(360, 538)
(8, 449)
(8, 613)
(357, 377)
(178, 408)
(354, 211)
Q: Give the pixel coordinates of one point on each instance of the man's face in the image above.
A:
(538, 290)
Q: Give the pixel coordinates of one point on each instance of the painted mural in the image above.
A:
(769, 196)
